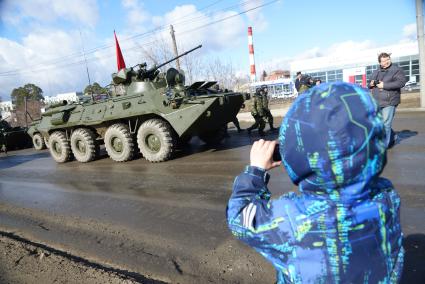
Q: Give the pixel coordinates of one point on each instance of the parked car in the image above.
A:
(410, 86)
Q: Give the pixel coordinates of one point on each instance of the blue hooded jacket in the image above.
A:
(344, 225)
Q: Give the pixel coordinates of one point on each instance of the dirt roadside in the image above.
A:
(22, 261)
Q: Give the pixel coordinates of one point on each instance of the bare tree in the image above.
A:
(192, 66)
(157, 53)
(195, 67)
(222, 72)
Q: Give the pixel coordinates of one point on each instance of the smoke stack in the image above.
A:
(251, 55)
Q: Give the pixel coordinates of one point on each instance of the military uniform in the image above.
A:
(266, 109)
(3, 127)
(257, 111)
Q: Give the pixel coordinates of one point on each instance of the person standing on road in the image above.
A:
(3, 148)
(386, 83)
(344, 225)
(267, 113)
(257, 112)
(302, 83)
(235, 120)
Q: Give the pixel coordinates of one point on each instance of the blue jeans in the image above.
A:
(387, 116)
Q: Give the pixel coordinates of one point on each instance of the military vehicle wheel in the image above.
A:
(83, 145)
(156, 140)
(46, 142)
(213, 137)
(59, 147)
(119, 143)
(38, 142)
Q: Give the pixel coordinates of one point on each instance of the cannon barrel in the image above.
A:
(175, 58)
(150, 71)
(61, 103)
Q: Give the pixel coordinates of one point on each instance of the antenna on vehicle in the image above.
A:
(84, 54)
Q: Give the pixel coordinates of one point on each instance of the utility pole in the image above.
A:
(26, 111)
(421, 43)
(175, 46)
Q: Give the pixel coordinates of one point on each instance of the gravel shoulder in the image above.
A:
(23, 261)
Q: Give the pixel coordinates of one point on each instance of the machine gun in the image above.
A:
(151, 73)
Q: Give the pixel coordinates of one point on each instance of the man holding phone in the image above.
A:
(386, 85)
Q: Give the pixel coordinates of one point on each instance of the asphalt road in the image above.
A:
(166, 221)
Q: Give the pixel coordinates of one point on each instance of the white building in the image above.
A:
(279, 88)
(357, 68)
(70, 97)
(6, 109)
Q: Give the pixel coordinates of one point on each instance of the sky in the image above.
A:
(48, 42)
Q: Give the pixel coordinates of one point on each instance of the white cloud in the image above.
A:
(195, 27)
(136, 14)
(348, 48)
(256, 16)
(84, 12)
(409, 33)
(339, 51)
(52, 59)
(43, 59)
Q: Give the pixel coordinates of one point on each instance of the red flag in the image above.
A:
(120, 58)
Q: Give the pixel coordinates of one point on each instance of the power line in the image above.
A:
(105, 46)
(64, 65)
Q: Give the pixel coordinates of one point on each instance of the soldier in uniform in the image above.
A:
(257, 111)
(267, 113)
(235, 120)
(302, 83)
(3, 127)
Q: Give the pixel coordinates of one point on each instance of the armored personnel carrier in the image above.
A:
(145, 109)
(13, 138)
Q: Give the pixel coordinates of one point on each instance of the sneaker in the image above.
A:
(396, 139)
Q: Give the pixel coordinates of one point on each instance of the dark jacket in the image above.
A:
(344, 225)
(303, 83)
(394, 79)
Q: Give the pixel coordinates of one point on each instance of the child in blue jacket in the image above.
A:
(344, 225)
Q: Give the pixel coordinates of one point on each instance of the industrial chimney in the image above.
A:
(253, 75)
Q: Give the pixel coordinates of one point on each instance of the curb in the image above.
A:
(416, 109)
(280, 112)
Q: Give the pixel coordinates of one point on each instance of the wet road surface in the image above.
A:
(166, 221)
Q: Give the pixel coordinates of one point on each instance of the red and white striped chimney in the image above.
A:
(251, 55)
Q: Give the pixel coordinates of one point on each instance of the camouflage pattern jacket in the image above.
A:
(344, 225)
(265, 101)
(257, 108)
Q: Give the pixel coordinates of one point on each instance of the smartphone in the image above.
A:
(276, 154)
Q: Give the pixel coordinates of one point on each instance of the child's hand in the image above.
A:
(262, 154)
